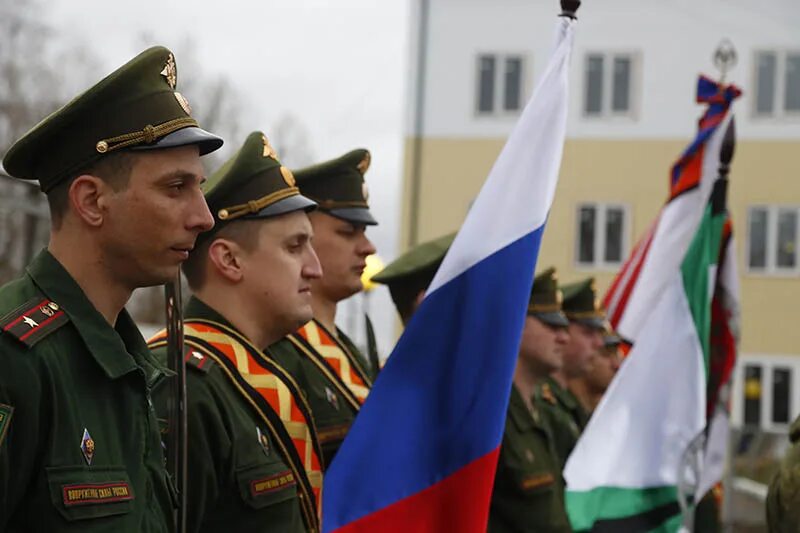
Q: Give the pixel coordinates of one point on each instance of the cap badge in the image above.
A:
(170, 72)
(184, 102)
(87, 446)
(365, 191)
(288, 177)
(363, 166)
(269, 151)
(262, 440)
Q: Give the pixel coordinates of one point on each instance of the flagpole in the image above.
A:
(688, 498)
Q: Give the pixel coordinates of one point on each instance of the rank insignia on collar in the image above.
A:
(547, 394)
(263, 440)
(332, 398)
(31, 322)
(87, 446)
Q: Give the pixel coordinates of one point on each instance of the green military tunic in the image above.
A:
(333, 414)
(783, 498)
(79, 441)
(230, 450)
(528, 494)
(564, 414)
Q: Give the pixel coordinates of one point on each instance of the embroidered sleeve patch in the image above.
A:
(5, 420)
(273, 483)
(533, 482)
(89, 493)
(34, 320)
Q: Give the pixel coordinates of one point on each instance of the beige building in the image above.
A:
(632, 112)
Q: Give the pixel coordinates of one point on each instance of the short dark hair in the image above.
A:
(242, 232)
(114, 169)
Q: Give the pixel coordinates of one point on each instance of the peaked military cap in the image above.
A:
(338, 186)
(253, 184)
(545, 302)
(610, 339)
(582, 305)
(135, 107)
(413, 271)
(424, 258)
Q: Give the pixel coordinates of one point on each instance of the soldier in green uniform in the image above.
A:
(409, 275)
(528, 494)
(564, 411)
(336, 376)
(783, 498)
(254, 461)
(79, 439)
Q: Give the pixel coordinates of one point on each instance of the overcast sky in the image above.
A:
(339, 67)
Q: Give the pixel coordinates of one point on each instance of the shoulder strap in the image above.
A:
(34, 320)
(192, 357)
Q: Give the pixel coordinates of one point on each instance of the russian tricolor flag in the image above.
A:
(422, 453)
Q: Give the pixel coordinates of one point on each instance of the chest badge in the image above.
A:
(87, 446)
(263, 440)
(529, 455)
(332, 398)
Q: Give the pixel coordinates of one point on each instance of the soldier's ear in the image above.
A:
(225, 257)
(89, 199)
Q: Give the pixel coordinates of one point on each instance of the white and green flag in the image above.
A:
(641, 444)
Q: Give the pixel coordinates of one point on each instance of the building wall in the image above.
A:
(613, 159)
(634, 173)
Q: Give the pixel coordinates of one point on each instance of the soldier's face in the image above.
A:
(277, 273)
(150, 225)
(542, 346)
(342, 248)
(603, 368)
(584, 344)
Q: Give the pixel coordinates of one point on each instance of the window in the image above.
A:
(752, 395)
(609, 83)
(772, 239)
(764, 395)
(500, 83)
(602, 235)
(777, 83)
(781, 395)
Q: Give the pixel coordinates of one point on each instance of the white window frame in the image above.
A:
(779, 111)
(606, 111)
(767, 362)
(498, 108)
(771, 268)
(601, 209)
